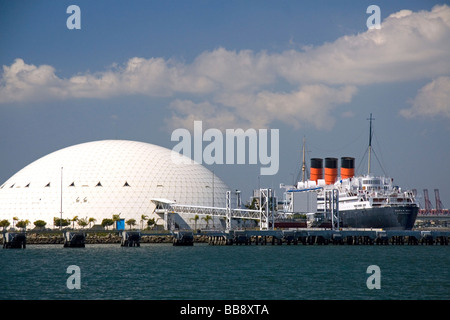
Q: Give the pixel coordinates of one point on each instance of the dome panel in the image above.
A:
(130, 172)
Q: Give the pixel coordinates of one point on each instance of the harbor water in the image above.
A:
(203, 272)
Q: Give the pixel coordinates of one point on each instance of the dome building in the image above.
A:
(104, 178)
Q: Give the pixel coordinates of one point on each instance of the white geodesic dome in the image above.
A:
(104, 178)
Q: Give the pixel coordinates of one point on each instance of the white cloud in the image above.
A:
(185, 112)
(432, 100)
(310, 104)
(408, 46)
(255, 88)
(21, 81)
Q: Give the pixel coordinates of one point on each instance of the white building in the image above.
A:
(104, 178)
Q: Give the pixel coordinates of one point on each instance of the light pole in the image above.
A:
(61, 211)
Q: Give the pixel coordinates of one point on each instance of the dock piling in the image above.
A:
(13, 240)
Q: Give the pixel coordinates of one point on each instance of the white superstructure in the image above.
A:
(362, 192)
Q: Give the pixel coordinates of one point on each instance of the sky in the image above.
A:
(313, 70)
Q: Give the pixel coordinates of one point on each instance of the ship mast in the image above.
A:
(370, 143)
(303, 162)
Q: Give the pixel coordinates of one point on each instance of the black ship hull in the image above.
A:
(387, 218)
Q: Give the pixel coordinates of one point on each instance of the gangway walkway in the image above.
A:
(265, 214)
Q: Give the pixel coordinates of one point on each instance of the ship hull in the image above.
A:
(387, 218)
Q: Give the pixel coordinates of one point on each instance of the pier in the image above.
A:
(301, 236)
(329, 237)
(183, 238)
(12, 240)
(74, 239)
(130, 239)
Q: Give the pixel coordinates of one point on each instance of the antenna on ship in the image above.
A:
(370, 142)
(303, 163)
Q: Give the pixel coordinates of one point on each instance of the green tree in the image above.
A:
(143, 219)
(131, 222)
(107, 222)
(40, 224)
(60, 222)
(4, 224)
(23, 224)
(151, 222)
(15, 219)
(92, 220)
(74, 219)
(254, 205)
(83, 222)
(115, 218)
(195, 218)
(207, 218)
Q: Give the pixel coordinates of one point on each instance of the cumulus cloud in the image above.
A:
(185, 112)
(226, 87)
(432, 100)
(310, 104)
(408, 46)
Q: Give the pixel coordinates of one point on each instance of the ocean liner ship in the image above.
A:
(346, 200)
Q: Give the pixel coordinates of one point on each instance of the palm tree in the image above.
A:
(82, 222)
(14, 220)
(91, 220)
(73, 221)
(207, 218)
(143, 218)
(151, 222)
(195, 218)
(115, 218)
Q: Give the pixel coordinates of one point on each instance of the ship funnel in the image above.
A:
(330, 170)
(347, 167)
(316, 169)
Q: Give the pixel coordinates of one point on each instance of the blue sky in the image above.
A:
(140, 69)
